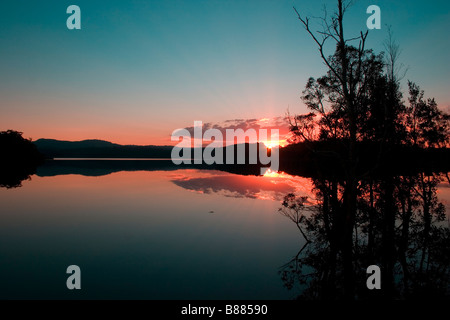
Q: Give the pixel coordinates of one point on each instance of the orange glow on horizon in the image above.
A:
(124, 133)
(272, 144)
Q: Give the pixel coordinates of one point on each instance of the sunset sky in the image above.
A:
(137, 70)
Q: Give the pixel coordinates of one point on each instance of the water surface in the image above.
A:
(180, 234)
(152, 230)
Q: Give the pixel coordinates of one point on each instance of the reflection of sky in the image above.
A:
(443, 194)
(136, 235)
(271, 186)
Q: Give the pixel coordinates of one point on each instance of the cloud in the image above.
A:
(269, 124)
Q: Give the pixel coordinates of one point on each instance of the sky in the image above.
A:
(138, 70)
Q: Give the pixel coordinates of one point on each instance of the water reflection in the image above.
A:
(272, 186)
(13, 176)
(137, 235)
(400, 225)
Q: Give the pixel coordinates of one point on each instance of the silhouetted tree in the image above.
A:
(427, 126)
(344, 88)
(358, 103)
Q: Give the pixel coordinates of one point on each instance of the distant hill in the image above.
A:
(98, 149)
(92, 143)
(104, 149)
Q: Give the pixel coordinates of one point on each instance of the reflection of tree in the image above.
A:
(19, 159)
(293, 209)
(12, 177)
(398, 226)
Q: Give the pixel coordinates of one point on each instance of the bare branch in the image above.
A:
(320, 44)
(394, 72)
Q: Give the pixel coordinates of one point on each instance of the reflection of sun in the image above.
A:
(270, 173)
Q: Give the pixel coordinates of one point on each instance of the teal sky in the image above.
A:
(137, 70)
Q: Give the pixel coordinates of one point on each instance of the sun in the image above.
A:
(273, 144)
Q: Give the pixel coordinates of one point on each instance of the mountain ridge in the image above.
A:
(94, 148)
(90, 142)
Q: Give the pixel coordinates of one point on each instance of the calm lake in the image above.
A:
(160, 233)
(163, 234)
